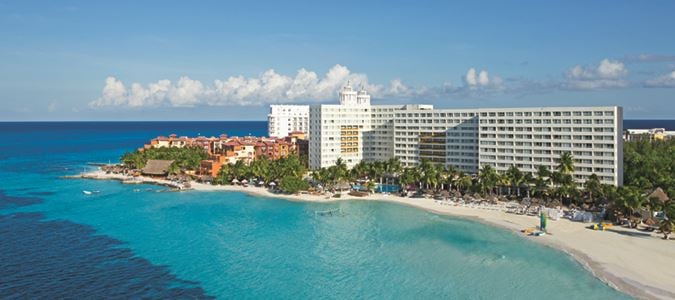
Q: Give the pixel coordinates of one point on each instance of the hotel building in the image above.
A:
(284, 119)
(467, 139)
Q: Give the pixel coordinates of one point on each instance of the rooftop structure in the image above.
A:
(156, 167)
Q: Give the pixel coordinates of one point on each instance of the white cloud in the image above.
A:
(304, 86)
(269, 87)
(114, 94)
(664, 81)
(51, 107)
(186, 92)
(608, 74)
(481, 80)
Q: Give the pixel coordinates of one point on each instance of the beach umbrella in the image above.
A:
(272, 183)
(261, 182)
(235, 180)
(244, 181)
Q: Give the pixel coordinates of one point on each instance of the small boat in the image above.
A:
(329, 212)
(87, 192)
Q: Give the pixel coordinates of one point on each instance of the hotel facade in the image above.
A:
(467, 139)
(285, 119)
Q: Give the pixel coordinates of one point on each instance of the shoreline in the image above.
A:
(639, 264)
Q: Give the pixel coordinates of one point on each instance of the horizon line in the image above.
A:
(204, 121)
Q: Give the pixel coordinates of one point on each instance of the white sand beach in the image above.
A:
(638, 263)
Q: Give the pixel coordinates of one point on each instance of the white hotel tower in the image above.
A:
(284, 119)
(467, 139)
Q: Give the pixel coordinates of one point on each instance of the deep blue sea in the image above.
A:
(648, 124)
(59, 243)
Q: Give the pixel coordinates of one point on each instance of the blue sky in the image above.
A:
(217, 60)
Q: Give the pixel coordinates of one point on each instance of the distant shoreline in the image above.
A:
(638, 275)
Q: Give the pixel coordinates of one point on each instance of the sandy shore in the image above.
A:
(638, 263)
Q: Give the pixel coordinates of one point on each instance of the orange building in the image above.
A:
(228, 150)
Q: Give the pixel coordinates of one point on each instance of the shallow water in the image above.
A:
(59, 242)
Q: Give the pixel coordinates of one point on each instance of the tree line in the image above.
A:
(186, 158)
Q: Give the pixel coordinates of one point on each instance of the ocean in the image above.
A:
(649, 124)
(60, 243)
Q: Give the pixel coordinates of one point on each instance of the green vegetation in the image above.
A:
(262, 169)
(187, 158)
(650, 164)
(293, 185)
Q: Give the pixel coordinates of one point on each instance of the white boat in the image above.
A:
(87, 192)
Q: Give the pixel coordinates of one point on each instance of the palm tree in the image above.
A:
(392, 167)
(260, 168)
(407, 177)
(631, 200)
(668, 222)
(527, 183)
(224, 174)
(377, 170)
(565, 186)
(488, 178)
(566, 163)
(542, 181)
(593, 186)
(463, 182)
(450, 175)
(173, 169)
(340, 169)
(239, 170)
(503, 180)
(516, 178)
(320, 176)
(441, 176)
(360, 170)
(424, 169)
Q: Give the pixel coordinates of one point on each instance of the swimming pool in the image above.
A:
(387, 188)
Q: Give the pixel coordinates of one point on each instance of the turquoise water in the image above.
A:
(159, 244)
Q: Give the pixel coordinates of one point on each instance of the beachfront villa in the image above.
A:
(466, 139)
(224, 150)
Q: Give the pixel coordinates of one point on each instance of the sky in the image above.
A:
(228, 60)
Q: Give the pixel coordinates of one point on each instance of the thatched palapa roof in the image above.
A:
(157, 167)
(658, 193)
